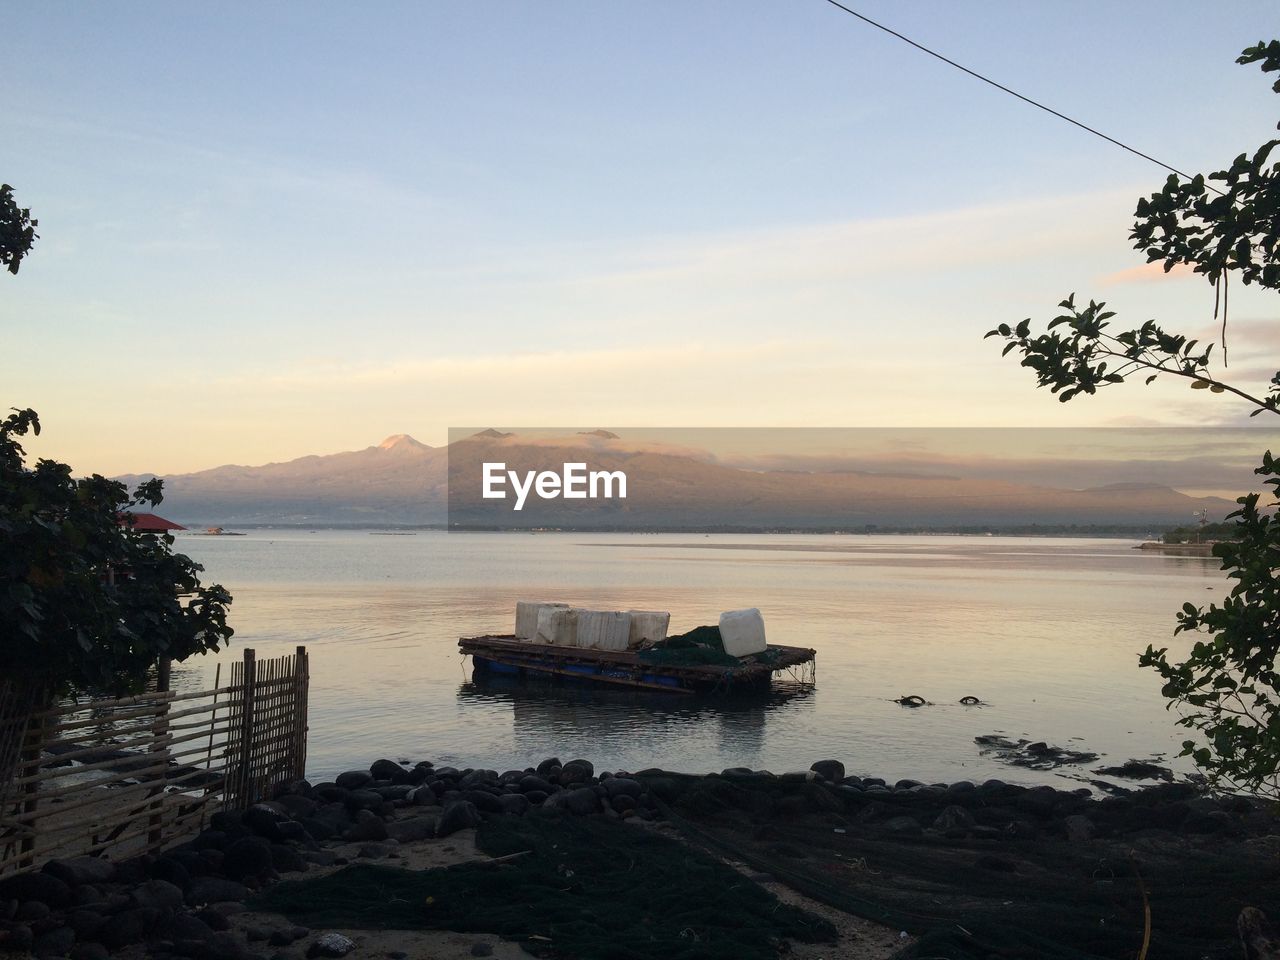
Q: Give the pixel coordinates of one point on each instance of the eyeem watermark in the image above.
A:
(573, 482)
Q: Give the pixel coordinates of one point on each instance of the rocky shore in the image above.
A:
(197, 899)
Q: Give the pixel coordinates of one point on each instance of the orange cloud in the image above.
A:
(1147, 273)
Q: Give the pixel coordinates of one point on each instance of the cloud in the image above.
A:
(1146, 273)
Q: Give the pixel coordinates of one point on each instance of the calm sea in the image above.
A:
(1045, 631)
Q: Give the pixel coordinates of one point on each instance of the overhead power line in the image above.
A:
(1014, 93)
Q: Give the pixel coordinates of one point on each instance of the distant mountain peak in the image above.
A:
(492, 434)
(399, 440)
(602, 434)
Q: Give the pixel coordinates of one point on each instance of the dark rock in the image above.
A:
(459, 815)
(622, 803)
(396, 791)
(821, 798)
(129, 926)
(214, 920)
(89, 951)
(293, 788)
(32, 911)
(536, 797)
(158, 895)
(227, 821)
(954, 818)
(581, 801)
(363, 800)
(622, 786)
(297, 807)
(534, 782)
(19, 939)
(368, 826)
(36, 886)
(183, 926)
(81, 870)
(382, 770)
(423, 796)
(220, 946)
(375, 851)
(56, 943)
(247, 857)
(907, 784)
(82, 896)
(264, 820)
(210, 840)
(1213, 822)
(832, 770)
(321, 858)
(172, 870)
(215, 890)
(1078, 828)
(1038, 801)
(482, 949)
(484, 801)
(412, 829)
(1137, 770)
(991, 789)
(291, 831)
(285, 859)
(86, 923)
(549, 765)
(478, 777)
(319, 829)
(329, 793)
(576, 771)
(353, 780)
(330, 945)
(516, 804)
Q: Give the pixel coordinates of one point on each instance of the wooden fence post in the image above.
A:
(155, 823)
(302, 683)
(32, 742)
(246, 728)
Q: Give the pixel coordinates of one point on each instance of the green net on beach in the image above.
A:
(589, 889)
(1039, 898)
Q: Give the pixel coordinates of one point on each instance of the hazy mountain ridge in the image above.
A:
(402, 481)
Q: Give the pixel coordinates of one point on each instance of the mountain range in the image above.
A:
(401, 482)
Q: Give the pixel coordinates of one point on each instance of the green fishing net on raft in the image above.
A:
(589, 889)
(701, 646)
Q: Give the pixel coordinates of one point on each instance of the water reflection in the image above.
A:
(544, 710)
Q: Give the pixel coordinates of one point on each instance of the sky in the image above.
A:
(275, 230)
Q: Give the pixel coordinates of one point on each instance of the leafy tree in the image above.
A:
(17, 230)
(1223, 226)
(85, 599)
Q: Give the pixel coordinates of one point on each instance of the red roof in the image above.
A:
(149, 523)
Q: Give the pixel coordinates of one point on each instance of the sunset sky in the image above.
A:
(269, 232)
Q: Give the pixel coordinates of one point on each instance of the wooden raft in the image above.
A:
(507, 654)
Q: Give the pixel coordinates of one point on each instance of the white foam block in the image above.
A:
(557, 626)
(603, 629)
(527, 617)
(648, 626)
(742, 632)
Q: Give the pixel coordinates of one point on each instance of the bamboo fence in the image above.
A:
(118, 777)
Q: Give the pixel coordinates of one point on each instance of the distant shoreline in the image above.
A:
(1179, 549)
(1031, 530)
